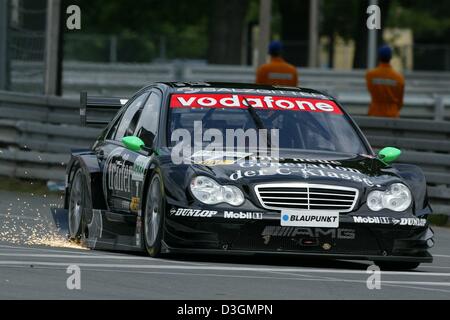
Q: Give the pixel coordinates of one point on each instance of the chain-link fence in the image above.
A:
(131, 48)
(26, 43)
(432, 57)
(24, 38)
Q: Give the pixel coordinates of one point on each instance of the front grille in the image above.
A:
(306, 197)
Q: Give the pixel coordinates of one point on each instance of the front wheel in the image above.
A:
(397, 266)
(154, 217)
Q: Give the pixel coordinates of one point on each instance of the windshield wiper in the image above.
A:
(258, 121)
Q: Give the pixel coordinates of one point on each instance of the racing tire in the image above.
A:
(154, 217)
(79, 203)
(397, 266)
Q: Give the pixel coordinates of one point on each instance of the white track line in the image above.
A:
(105, 257)
(296, 278)
(97, 256)
(435, 267)
(383, 283)
(441, 255)
(50, 249)
(426, 283)
(220, 268)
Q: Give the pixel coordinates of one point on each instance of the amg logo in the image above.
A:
(276, 231)
(243, 215)
(192, 213)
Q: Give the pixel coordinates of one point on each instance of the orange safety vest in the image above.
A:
(277, 72)
(386, 87)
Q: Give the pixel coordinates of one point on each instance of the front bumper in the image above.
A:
(264, 235)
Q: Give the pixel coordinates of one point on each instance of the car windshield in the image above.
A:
(302, 123)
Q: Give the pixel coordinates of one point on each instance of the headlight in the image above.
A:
(396, 198)
(209, 191)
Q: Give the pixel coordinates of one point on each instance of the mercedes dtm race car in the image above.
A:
(152, 182)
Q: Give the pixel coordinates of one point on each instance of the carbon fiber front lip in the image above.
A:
(426, 258)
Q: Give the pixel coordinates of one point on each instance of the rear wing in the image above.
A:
(98, 111)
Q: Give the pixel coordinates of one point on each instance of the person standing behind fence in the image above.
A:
(277, 71)
(386, 87)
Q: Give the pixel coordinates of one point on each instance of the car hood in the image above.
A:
(357, 171)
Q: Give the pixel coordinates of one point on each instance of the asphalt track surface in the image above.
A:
(34, 261)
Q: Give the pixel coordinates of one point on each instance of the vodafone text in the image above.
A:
(257, 102)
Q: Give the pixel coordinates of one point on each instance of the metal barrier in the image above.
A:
(424, 143)
(427, 93)
(37, 133)
(32, 165)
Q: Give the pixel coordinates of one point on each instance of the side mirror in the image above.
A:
(389, 154)
(133, 143)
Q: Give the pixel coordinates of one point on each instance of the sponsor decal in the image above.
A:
(266, 161)
(310, 219)
(345, 174)
(243, 215)
(121, 204)
(372, 220)
(135, 204)
(212, 163)
(192, 213)
(119, 176)
(254, 91)
(217, 158)
(257, 102)
(417, 222)
(292, 232)
(139, 167)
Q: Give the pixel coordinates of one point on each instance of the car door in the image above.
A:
(125, 169)
(116, 160)
(146, 129)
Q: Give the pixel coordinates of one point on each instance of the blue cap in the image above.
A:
(385, 54)
(275, 48)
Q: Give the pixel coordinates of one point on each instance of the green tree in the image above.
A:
(294, 30)
(144, 23)
(338, 20)
(430, 21)
(226, 30)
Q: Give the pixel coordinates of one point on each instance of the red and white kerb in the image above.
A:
(258, 102)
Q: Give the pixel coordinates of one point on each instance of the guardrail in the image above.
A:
(34, 144)
(427, 93)
(424, 143)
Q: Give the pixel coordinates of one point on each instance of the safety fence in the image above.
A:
(427, 93)
(37, 134)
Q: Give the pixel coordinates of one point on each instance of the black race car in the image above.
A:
(155, 179)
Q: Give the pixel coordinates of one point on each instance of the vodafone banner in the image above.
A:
(234, 101)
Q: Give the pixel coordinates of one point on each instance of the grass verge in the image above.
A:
(24, 186)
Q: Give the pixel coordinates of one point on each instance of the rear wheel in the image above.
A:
(79, 204)
(397, 266)
(154, 217)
